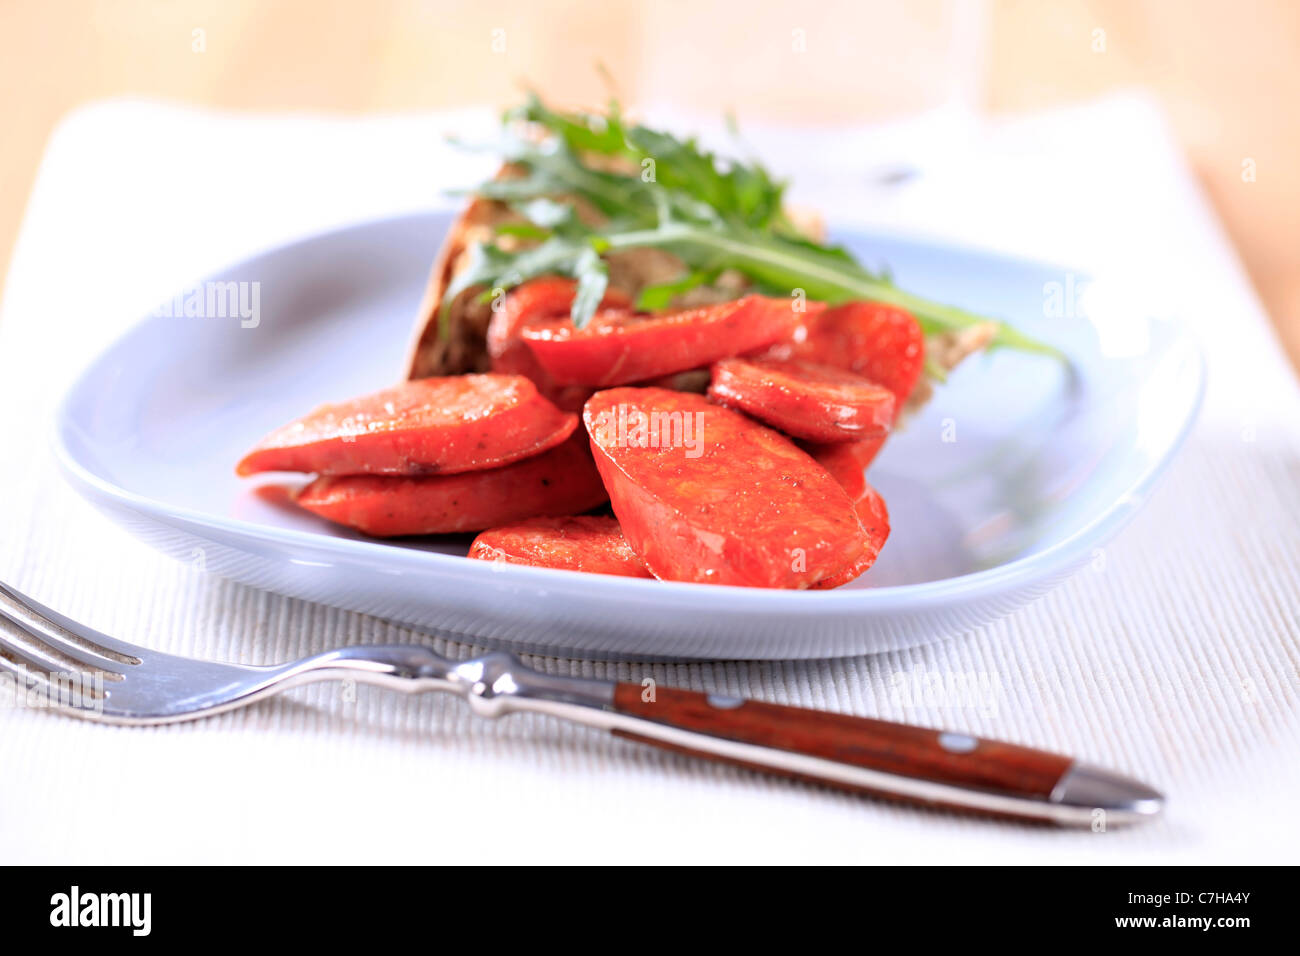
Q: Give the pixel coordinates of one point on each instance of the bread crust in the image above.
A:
(464, 350)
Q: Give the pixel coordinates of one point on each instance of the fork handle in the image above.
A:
(897, 761)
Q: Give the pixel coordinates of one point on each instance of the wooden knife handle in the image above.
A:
(903, 762)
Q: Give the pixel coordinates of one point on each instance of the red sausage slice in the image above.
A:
(705, 494)
(847, 461)
(879, 342)
(617, 347)
(539, 300)
(814, 402)
(429, 425)
(561, 481)
(592, 543)
(875, 521)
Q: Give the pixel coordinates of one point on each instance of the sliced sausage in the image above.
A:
(875, 522)
(618, 347)
(847, 461)
(705, 494)
(426, 426)
(803, 399)
(592, 543)
(879, 342)
(562, 481)
(536, 301)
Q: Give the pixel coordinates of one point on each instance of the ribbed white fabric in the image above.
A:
(1175, 659)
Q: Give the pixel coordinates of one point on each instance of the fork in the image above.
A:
(90, 675)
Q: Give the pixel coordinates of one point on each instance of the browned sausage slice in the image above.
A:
(814, 402)
(879, 342)
(875, 522)
(561, 481)
(847, 461)
(618, 347)
(426, 426)
(591, 543)
(705, 494)
(547, 298)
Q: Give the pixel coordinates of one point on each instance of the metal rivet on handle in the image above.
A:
(957, 743)
(723, 702)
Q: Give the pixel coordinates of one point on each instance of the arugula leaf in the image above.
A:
(781, 267)
(500, 271)
(549, 214)
(745, 192)
(582, 132)
(593, 279)
(655, 297)
(658, 190)
(523, 230)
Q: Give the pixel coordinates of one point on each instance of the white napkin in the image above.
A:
(1175, 663)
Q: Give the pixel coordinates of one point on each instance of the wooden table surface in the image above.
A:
(1227, 72)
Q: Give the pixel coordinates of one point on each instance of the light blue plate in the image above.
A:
(1009, 480)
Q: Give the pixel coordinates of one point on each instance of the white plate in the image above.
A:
(1010, 479)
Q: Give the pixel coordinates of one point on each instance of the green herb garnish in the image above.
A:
(656, 190)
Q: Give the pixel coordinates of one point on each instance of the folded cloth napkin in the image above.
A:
(1174, 659)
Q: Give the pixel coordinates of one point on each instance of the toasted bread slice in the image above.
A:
(464, 349)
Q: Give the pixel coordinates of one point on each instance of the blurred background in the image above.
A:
(1227, 73)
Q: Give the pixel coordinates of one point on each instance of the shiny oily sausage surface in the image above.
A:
(879, 342)
(426, 426)
(847, 461)
(591, 543)
(562, 481)
(803, 399)
(548, 298)
(618, 347)
(705, 494)
(875, 522)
